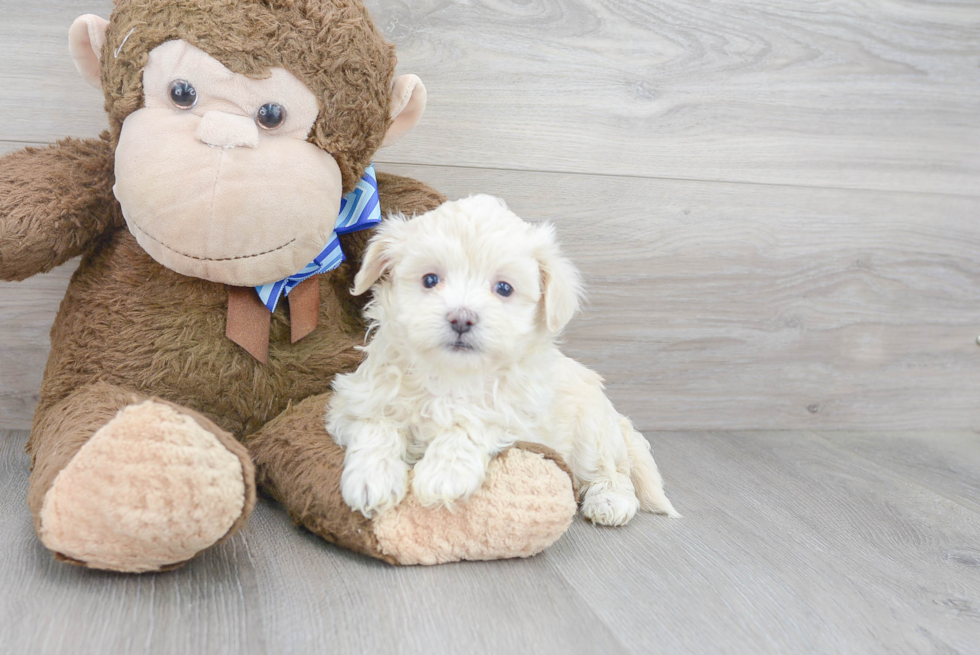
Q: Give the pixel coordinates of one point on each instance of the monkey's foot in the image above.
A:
(149, 490)
(525, 504)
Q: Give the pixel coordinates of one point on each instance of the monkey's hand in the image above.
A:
(55, 203)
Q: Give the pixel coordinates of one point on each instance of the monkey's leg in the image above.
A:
(127, 483)
(526, 503)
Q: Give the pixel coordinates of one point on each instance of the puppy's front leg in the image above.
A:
(455, 464)
(375, 476)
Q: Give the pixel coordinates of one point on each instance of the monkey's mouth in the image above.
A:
(209, 259)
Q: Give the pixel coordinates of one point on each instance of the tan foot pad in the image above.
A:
(525, 505)
(150, 489)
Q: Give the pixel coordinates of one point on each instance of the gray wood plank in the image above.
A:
(27, 311)
(10, 146)
(879, 95)
(209, 606)
(314, 594)
(947, 463)
(729, 306)
(718, 306)
(45, 99)
(276, 588)
(790, 543)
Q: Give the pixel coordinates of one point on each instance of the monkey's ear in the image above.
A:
(86, 36)
(407, 105)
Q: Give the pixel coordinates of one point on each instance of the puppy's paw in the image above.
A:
(372, 483)
(442, 480)
(608, 506)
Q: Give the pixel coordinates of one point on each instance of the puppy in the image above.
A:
(468, 303)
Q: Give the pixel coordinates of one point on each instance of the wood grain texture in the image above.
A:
(27, 311)
(713, 305)
(949, 467)
(863, 94)
(788, 544)
(761, 304)
(46, 98)
(719, 306)
(791, 542)
(210, 606)
(734, 306)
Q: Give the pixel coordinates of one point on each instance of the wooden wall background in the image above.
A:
(776, 205)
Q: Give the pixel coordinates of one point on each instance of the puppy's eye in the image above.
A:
(270, 115)
(430, 280)
(183, 94)
(503, 289)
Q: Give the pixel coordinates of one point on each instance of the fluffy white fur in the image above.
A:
(449, 399)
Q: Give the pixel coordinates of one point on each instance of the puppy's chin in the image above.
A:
(462, 357)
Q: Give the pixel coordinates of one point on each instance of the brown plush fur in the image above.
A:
(128, 321)
(56, 203)
(332, 46)
(129, 328)
(61, 431)
(300, 466)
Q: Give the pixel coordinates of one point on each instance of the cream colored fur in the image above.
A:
(447, 401)
(151, 488)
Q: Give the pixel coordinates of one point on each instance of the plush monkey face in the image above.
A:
(215, 176)
(230, 177)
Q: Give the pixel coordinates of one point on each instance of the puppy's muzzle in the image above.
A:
(462, 320)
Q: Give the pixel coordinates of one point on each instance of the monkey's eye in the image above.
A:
(183, 94)
(271, 115)
(503, 289)
(430, 280)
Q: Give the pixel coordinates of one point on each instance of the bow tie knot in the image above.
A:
(359, 210)
(249, 316)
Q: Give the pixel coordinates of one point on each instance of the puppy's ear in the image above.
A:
(377, 257)
(561, 284)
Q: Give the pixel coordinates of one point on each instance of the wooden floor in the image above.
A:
(776, 206)
(800, 542)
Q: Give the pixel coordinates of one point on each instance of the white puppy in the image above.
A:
(468, 302)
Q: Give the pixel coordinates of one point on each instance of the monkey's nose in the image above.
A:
(462, 320)
(227, 130)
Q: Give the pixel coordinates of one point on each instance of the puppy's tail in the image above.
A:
(644, 473)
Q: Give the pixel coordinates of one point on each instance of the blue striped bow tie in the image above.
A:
(359, 210)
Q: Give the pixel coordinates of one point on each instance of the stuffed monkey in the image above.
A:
(192, 356)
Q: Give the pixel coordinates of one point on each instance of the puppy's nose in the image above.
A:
(462, 320)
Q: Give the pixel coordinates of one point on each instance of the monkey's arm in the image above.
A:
(55, 203)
